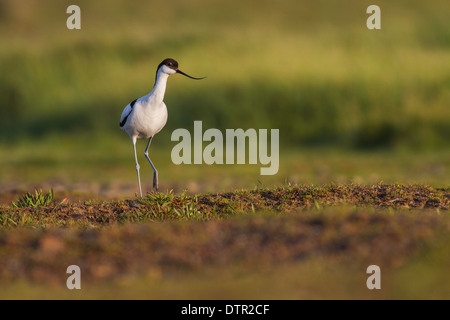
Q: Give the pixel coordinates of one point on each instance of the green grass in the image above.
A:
(318, 74)
(352, 105)
(108, 172)
(37, 199)
(159, 207)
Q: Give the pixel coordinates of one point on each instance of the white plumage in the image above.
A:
(146, 116)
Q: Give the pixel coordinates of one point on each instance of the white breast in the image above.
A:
(145, 119)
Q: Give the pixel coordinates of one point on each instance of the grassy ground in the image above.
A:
(107, 172)
(313, 70)
(302, 242)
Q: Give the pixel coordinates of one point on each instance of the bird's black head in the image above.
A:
(170, 65)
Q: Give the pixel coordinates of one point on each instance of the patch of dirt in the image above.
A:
(251, 241)
(108, 240)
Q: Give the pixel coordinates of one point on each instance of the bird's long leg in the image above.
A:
(137, 166)
(155, 172)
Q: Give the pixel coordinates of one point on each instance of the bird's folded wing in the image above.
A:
(126, 112)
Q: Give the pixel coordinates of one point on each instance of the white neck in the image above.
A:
(157, 94)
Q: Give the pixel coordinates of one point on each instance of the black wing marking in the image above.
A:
(125, 119)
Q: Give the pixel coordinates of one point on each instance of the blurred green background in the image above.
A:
(352, 104)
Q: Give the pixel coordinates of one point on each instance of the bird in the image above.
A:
(144, 117)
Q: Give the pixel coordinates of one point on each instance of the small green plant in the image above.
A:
(160, 198)
(34, 200)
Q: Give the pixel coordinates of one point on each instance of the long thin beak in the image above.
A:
(184, 74)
